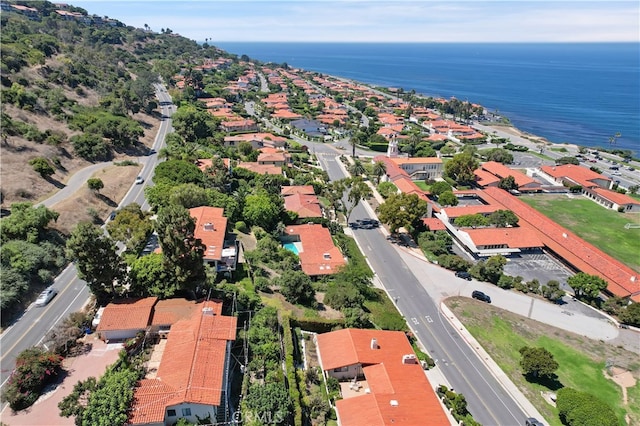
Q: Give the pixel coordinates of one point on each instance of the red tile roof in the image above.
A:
(211, 228)
(261, 169)
(615, 197)
(622, 280)
(169, 311)
(502, 171)
(304, 205)
(434, 224)
(389, 379)
(581, 175)
(519, 237)
(318, 256)
(129, 314)
(192, 366)
(484, 178)
(297, 189)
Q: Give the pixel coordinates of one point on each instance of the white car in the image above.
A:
(97, 316)
(46, 296)
(139, 180)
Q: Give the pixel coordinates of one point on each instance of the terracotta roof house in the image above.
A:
(612, 199)
(579, 254)
(383, 382)
(285, 114)
(491, 241)
(306, 206)
(261, 169)
(238, 126)
(211, 229)
(570, 174)
(257, 140)
(434, 224)
(297, 189)
(192, 378)
(417, 168)
(500, 171)
(123, 319)
(274, 158)
(318, 255)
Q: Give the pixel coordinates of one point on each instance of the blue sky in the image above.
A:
(386, 21)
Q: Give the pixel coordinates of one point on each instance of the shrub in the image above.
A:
(241, 226)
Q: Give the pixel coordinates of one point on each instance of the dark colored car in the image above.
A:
(464, 275)
(532, 421)
(477, 294)
(113, 215)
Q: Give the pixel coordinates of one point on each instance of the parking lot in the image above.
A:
(540, 266)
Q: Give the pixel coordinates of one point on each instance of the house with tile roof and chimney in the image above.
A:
(382, 381)
(314, 246)
(191, 380)
(211, 229)
(302, 200)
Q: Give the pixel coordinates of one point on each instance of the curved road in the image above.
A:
(30, 328)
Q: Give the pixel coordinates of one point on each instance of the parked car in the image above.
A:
(96, 317)
(46, 296)
(112, 215)
(464, 275)
(532, 421)
(139, 180)
(477, 294)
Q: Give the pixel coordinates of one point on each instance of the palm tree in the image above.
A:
(357, 168)
(379, 169)
(612, 139)
(353, 142)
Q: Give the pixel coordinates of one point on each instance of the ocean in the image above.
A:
(580, 93)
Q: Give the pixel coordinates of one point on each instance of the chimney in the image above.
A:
(409, 359)
(393, 402)
(209, 226)
(374, 343)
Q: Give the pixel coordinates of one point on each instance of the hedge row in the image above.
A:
(292, 377)
(317, 325)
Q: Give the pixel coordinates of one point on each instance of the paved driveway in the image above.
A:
(45, 411)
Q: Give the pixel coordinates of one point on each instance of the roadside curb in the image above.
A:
(501, 377)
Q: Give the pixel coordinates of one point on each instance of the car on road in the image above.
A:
(464, 275)
(354, 225)
(112, 215)
(97, 317)
(46, 296)
(477, 294)
(368, 223)
(532, 421)
(139, 180)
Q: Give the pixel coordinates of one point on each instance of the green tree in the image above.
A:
(148, 277)
(471, 221)
(192, 124)
(379, 170)
(260, 209)
(537, 363)
(27, 223)
(402, 211)
(182, 252)
(631, 314)
(587, 285)
(499, 155)
(109, 403)
(96, 260)
(90, 146)
(503, 218)
(178, 172)
(342, 295)
(386, 189)
(95, 184)
(296, 287)
(461, 168)
(439, 187)
(189, 195)
(42, 166)
(568, 160)
(131, 226)
(508, 183)
(552, 290)
(448, 198)
(356, 190)
(583, 409)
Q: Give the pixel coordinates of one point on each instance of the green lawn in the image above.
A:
(581, 360)
(601, 227)
(422, 185)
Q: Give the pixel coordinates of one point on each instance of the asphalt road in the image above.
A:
(488, 401)
(73, 293)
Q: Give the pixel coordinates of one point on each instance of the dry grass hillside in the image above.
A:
(19, 182)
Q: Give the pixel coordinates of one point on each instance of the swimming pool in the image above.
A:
(291, 247)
